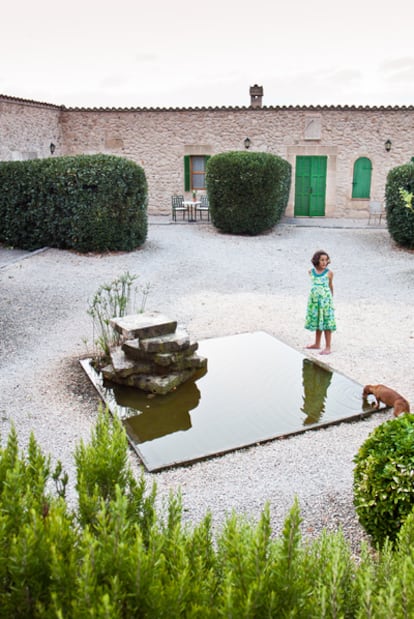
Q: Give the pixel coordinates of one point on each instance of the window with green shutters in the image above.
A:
(195, 172)
(361, 184)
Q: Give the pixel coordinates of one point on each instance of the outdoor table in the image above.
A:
(191, 208)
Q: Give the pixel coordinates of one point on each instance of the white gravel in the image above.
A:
(216, 285)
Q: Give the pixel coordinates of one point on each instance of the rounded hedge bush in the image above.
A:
(400, 217)
(248, 191)
(384, 479)
(85, 202)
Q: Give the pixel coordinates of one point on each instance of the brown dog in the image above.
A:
(387, 396)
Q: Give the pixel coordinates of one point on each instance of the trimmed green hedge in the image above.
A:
(400, 218)
(248, 191)
(86, 203)
(384, 479)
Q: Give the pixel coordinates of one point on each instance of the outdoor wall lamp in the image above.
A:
(52, 148)
(388, 145)
(247, 143)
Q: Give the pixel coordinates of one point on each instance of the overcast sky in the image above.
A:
(184, 53)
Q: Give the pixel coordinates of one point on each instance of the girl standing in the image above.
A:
(320, 315)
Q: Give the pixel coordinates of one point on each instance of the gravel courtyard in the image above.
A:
(215, 285)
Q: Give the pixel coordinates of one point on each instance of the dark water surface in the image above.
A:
(255, 389)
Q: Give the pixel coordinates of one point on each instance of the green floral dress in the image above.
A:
(320, 314)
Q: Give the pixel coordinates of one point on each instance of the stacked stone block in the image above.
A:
(154, 356)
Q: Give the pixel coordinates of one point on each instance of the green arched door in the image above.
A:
(361, 183)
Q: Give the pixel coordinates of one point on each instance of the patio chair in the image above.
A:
(375, 211)
(203, 207)
(177, 204)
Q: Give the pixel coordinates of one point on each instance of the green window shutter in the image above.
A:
(361, 185)
(206, 158)
(187, 183)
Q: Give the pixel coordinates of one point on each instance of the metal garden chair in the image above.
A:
(203, 207)
(375, 210)
(177, 204)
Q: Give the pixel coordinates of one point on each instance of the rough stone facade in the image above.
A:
(27, 129)
(158, 139)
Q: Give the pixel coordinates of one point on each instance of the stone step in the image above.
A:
(154, 383)
(133, 350)
(173, 342)
(145, 325)
(123, 366)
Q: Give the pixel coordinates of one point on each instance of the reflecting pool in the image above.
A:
(255, 389)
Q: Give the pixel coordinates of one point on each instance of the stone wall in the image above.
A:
(158, 140)
(27, 129)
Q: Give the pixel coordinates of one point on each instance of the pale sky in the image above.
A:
(184, 53)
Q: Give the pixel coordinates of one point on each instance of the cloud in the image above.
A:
(146, 57)
(397, 64)
(113, 81)
(398, 70)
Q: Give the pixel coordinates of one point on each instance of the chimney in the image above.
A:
(256, 95)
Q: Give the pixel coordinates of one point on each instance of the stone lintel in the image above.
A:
(145, 325)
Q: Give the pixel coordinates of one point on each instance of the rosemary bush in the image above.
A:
(116, 555)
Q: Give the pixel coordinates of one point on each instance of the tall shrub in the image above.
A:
(400, 218)
(87, 203)
(248, 191)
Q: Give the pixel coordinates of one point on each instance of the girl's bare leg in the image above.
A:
(317, 344)
(327, 349)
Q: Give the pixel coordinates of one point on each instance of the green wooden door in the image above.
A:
(361, 183)
(310, 186)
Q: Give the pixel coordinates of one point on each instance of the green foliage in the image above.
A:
(86, 203)
(103, 472)
(400, 217)
(117, 556)
(114, 300)
(248, 192)
(384, 479)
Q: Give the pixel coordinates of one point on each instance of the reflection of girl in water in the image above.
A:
(316, 381)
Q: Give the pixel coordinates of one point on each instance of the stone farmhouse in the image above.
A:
(340, 155)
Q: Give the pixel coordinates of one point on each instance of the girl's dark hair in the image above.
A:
(317, 256)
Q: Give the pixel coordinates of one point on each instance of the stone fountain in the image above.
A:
(154, 354)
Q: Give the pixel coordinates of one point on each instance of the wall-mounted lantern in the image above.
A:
(388, 145)
(52, 148)
(247, 143)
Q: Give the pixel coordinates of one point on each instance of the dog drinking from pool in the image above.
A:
(387, 396)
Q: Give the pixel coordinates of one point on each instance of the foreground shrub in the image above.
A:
(87, 203)
(384, 479)
(400, 218)
(248, 192)
(119, 556)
